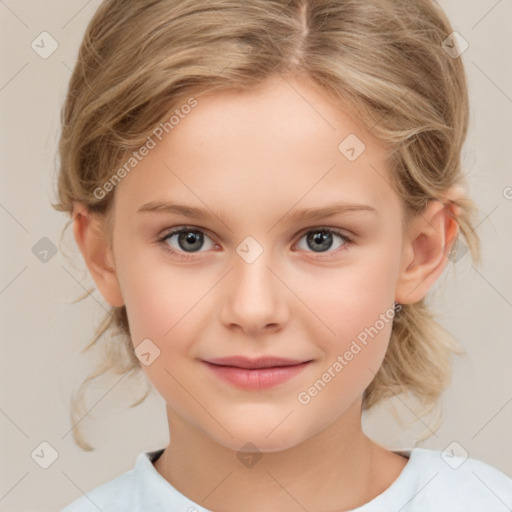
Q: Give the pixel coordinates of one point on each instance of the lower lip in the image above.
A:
(256, 379)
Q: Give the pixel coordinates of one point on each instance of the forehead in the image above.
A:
(283, 142)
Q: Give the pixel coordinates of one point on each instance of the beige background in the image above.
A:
(43, 333)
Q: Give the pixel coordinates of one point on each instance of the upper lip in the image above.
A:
(260, 362)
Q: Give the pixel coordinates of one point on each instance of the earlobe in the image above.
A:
(427, 245)
(89, 233)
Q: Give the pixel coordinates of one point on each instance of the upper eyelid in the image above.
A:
(178, 229)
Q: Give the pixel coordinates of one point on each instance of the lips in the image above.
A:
(255, 374)
(248, 363)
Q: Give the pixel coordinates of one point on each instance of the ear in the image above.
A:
(427, 245)
(89, 232)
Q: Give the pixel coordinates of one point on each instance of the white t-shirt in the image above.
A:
(428, 483)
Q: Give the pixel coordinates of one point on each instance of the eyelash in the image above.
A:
(187, 257)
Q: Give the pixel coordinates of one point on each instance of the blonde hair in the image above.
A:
(382, 60)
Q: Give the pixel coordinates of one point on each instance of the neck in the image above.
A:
(332, 469)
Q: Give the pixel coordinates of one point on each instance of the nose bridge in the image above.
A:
(255, 298)
(253, 278)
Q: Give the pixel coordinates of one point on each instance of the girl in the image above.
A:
(265, 192)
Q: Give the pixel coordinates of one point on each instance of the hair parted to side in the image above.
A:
(382, 60)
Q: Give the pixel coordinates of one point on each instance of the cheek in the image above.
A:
(355, 306)
(348, 300)
(351, 361)
(167, 310)
(160, 298)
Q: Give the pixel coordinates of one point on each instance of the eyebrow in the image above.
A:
(168, 208)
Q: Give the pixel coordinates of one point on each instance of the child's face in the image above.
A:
(256, 159)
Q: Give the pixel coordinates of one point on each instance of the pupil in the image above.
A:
(190, 237)
(320, 239)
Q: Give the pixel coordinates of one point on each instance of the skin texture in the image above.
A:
(255, 158)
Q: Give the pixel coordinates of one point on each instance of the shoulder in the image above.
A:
(140, 489)
(446, 481)
(108, 497)
(137, 490)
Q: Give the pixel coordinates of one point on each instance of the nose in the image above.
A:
(254, 298)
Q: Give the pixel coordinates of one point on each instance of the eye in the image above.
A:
(320, 240)
(189, 240)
